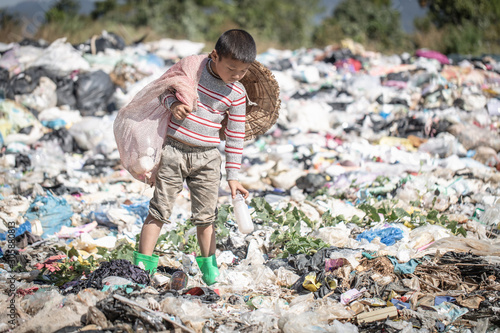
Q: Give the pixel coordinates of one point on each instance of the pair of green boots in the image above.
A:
(208, 265)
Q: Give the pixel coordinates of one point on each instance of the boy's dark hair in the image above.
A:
(238, 45)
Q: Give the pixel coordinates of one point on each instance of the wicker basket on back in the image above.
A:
(263, 102)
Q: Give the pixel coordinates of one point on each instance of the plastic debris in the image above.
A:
(374, 199)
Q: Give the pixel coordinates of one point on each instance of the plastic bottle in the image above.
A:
(242, 215)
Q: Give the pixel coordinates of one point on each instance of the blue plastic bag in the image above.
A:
(388, 236)
(139, 208)
(26, 226)
(53, 212)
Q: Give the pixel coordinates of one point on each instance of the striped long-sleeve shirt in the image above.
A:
(201, 127)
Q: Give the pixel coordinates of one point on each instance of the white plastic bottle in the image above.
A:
(242, 215)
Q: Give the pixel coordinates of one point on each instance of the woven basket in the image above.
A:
(263, 102)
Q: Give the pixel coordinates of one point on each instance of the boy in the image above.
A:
(191, 153)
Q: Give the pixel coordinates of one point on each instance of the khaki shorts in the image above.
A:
(200, 167)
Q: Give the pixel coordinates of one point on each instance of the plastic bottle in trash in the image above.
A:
(242, 214)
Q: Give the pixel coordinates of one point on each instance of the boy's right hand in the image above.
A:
(179, 110)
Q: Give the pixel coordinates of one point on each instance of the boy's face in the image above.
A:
(228, 69)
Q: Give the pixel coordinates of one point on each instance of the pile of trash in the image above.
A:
(375, 198)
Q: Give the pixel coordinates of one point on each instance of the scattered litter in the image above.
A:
(374, 200)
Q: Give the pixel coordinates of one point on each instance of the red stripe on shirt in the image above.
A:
(186, 132)
(239, 101)
(203, 121)
(235, 118)
(214, 95)
(233, 152)
(209, 109)
(234, 132)
(235, 88)
(232, 165)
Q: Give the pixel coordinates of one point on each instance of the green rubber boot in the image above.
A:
(150, 263)
(208, 266)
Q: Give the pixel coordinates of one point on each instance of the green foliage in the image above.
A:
(288, 235)
(179, 239)
(293, 243)
(263, 210)
(417, 218)
(7, 19)
(183, 239)
(70, 268)
(481, 13)
(62, 10)
(224, 213)
(327, 33)
(102, 8)
(367, 21)
(289, 216)
(122, 250)
(451, 26)
(286, 22)
(387, 211)
(328, 220)
(381, 181)
(466, 26)
(463, 39)
(317, 193)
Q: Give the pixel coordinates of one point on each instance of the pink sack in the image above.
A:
(140, 128)
(433, 55)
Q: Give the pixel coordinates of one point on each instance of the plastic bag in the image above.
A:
(42, 97)
(388, 236)
(93, 133)
(53, 212)
(141, 126)
(61, 58)
(93, 91)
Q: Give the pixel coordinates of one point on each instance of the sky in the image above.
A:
(34, 10)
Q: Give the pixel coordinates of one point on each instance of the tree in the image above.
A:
(467, 26)
(287, 22)
(61, 10)
(175, 18)
(7, 19)
(102, 8)
(481, 13)
(367, 22)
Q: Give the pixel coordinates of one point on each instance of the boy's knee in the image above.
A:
(155, 219)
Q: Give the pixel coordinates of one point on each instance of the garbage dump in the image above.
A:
(375, 198)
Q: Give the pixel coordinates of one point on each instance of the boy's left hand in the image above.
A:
(235, 186)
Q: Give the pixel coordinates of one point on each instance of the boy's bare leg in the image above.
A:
(206, 240)
(149, 235)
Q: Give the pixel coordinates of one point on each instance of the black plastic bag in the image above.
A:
(93, 91)
(65, 91)
(27, 81)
